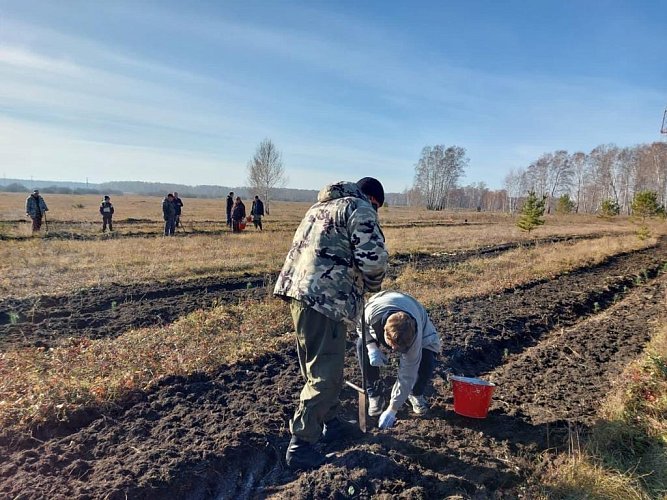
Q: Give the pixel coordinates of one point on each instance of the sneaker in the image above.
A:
(419, 405)
(338, 429)
(375, 406)
(301, 455)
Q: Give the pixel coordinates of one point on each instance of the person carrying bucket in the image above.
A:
(398, 322)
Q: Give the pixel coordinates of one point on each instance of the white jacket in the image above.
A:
(427, 338)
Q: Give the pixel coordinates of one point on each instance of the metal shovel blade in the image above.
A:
(363, 405)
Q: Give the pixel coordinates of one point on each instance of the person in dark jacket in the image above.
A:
(257, 212)
(179, 206)
(169, 214)
(238, 215)
(106, 210)
(35, 208)
(230, 204)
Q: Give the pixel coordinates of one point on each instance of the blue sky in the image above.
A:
(183, 92)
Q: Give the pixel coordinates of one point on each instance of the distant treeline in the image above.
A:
(16, 187)
(149, 189)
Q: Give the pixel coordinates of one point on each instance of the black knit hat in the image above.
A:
(372, 187)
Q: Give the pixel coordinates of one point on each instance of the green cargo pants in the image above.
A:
(320, 345)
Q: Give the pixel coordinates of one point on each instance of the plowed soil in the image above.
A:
(552, 347)
(46, 320)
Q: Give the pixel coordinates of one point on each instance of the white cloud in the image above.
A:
(48, 153)
(22, 58)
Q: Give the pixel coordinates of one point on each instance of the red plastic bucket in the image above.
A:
(472, 396)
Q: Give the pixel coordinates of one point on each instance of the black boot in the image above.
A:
(338, 429)
(301, 455)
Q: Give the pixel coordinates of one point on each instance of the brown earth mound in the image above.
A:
(224, 436)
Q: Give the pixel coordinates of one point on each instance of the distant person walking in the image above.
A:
(230, 205)
(106, 210)
(179, 206)
(238, 215)
(169, 214)
(35, 208)
(257, 212)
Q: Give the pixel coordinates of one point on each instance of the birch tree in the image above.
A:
(437, 172)
(266, 171)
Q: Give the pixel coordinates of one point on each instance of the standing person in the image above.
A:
(238, 215)
(257, 212)
(169, 214)
(337, 253)
(35, 208)
(106, 209)
(398, 322)
(230, 204)
(178, 204)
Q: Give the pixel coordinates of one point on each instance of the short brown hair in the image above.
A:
(400, 331)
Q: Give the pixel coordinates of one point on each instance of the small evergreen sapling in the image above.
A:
(565, 205)
(609, 208)
(644, 206)
(532, 212)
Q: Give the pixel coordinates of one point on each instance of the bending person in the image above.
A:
(398, 322)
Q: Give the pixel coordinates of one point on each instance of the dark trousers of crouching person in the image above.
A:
(106, 221)
(424, 375)
(321, 350)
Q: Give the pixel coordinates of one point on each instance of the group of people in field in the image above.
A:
(236, 213)
(337, 255)
(172, 207)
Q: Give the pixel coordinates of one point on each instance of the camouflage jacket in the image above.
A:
(337, 252)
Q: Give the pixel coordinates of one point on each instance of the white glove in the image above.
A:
(377, 358)
(387, 419)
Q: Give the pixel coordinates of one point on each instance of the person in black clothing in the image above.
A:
(257, 212)
(106, 210)
(238, 215)
(178, 204)
(230, 204)
(169, 214)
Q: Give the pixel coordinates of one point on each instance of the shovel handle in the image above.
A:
(355, 387)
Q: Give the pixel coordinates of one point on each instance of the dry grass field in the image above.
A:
(44, 384)
(74, 254)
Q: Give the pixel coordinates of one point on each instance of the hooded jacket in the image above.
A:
(378, 308)
(35, 206)
(337, 251)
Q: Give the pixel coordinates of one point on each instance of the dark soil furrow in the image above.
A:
(224, 436)
(113, 309)
(479, 332)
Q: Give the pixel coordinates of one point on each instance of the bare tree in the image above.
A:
(581, 172)
(437, 172)
(266, 171)
(514, 186)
